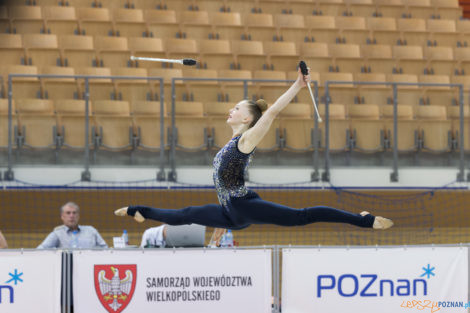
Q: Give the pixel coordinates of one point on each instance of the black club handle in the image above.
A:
(303, 68)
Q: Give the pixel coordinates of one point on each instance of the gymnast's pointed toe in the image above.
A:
(138, 217)
(382, 223)
(121, 211)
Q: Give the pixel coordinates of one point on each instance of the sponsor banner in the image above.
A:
(164, 280)
(30, 281)
(426, 279)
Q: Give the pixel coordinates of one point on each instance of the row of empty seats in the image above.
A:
(393, 8)
(123, 125)
(228, 25)
(230, 91)
(87, 51)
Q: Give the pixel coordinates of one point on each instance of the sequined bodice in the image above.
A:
(230, 165)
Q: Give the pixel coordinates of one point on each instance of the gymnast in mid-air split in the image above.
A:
(238, 206)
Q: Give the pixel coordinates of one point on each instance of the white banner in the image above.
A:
(164, 280)
(30, 281)
(388, 280)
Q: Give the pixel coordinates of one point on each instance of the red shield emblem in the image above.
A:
(115, 285)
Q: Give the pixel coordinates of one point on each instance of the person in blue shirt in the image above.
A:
(71, 235)
(238, 206)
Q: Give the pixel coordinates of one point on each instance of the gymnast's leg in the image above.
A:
(211, 215)
(258, 211)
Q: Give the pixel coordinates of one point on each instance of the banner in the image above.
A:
(30, 281)
(387, 280)
(164, 280)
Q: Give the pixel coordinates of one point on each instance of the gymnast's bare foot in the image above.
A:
(380, 222)
(123, 212)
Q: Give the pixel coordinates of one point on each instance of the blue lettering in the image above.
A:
(372, 277)
(406, 287)
(425, 286)
(11, 293)
(320, 286)
(340, 285)
(382, 289)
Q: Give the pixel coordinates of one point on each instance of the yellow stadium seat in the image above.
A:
(383, 30)
(195, 24)
(146, 47)
(390, 8)
(442, 32)
(233, 90)
(26, 19)
(330, 7)
(339, 93)
(129, 23)
(42, 49)
(215, 54)
(60, 88)
(227, 25)
(249, 54)
(409, 59)
(259, 26)
(23, 87)
(346, 56)
(447, 9)
(435, 128)
(297, 127)
(134, 90)
(71, 122)
(322, 28)
(407, 127)
(4, 123)
(11, 49)
(419, 8)
(376, 93)
(161, 23)
(413, 31)
(270, 91)
(352, 29)
(281, 55)
(200, 90)
(192, 133)
(378, 58)
(407, 94)
(61, 20)
(464, 80)
(440, 60)
(167, 74)
(181, 48)
(453, 113)
(95, 21)
(316, 55)
(462, 56)
(338, 127)
(291, 27)
(366, 127)
(78, 51)
(439, 95)
(112, 51)
(99, 88)
(361, 7)
(218, 109)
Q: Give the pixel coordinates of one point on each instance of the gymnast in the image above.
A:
(238, 206)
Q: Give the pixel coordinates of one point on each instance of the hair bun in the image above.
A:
(262, 104)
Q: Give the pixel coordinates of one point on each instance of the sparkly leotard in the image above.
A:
(230, 165)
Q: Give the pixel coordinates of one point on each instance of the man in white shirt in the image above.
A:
(71, 235)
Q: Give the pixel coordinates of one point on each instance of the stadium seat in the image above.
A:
(412, 31)
(71, 122)
(407, 127)
(215, 54)
(167, 74)
(361, 7)
(23, 87)
(347, 57)
(95, 22)
(440, 60)
(434, 127)
(464, 80)
(36, 122)
(60, 20)
(439, 95)
(218, 109)
(442, 32)
(113, 124)
(26, 19)
(462, 56)
(453, 113)
(195, 24)
(59, 88)
(129, 23)
(11, 49)
(367, 128)
(99, 88)
(409, 59)
(281, 55)
(146, 47)
(378, 58)
(4, 123)
(147, 124)
(271, 141)
(226, 25)
(321, 28)
(220, 131)
(232, 91)
(383, 30)
(112, 51)
(330, 7)
(297, 126)
(419, 8)
(177, 48)
(316, 55)
(137, 89)
(374, 93)
(259, 26)
(447, 9)
(192, 132)
(161, 23)
(270, 91)
(42, 49)
(200, 90)
(390, 8)
(290, 27)
(249, 54)
(407, 94)
(463, 31)
(77, 51)
(339, 93)
(352, 29)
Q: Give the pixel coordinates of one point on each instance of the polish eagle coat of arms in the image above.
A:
(115, 285)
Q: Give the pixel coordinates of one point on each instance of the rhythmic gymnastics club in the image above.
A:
(304, 71)
(182, 61)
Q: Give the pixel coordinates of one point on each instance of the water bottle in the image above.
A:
(125, 237)
(223, 241)
(74, 239)
(229, 238)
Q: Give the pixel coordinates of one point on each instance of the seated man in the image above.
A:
(72, 235)
(3, 242)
